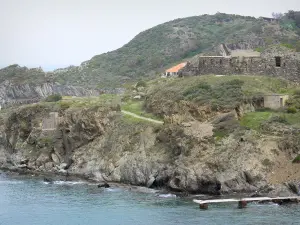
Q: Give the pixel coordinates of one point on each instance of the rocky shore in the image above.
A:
(99, 144)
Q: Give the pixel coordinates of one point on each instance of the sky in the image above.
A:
(58, 33)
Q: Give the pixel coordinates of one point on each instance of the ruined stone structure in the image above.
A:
(275, 101)
(51, 122)
(272, 63)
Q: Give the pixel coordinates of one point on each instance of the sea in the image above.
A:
(30, 201)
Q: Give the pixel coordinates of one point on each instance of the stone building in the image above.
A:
(275, 101)
(173, 71)
(272, 62)
(51, 122)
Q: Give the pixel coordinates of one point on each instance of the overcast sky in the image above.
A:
(58, 33)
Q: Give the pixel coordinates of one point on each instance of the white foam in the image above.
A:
(167, 196)
(10, 182)
(68, 182)
(112, 189)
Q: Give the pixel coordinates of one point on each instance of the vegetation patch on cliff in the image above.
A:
(219, 93)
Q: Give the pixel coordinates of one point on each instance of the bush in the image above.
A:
(287, 45)
(259, 49)
(141, 83)
(297, 93)
(278, 119)
(291, 110)
(226, 95)
(297, 159)
(53, 98)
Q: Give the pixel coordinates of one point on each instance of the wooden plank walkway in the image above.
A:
(242, 203)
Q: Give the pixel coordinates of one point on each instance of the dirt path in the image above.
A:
(141, 117)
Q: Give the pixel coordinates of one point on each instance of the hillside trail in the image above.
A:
(141, 117)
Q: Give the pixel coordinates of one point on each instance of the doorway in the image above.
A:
(281, 102)
(278, 61)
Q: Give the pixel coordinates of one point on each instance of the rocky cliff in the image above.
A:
(99, 143)
(20, 85)
(11, 93)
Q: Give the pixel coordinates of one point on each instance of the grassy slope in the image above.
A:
(161, 46)
(176, 89)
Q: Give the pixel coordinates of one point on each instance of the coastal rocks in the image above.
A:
(55, 158)
(150, 182)
(48, 180)
(104, 185)
(99, 144)
(63, 166)
(293, 187)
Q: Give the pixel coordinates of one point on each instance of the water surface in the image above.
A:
(33, 202)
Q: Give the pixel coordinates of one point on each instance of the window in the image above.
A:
(278, 61)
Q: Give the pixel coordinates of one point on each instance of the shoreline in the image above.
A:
(63, 177)
(57, 177)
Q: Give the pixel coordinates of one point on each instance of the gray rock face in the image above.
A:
(29, 93)
(98, 144)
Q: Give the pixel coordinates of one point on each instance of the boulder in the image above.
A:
(104, 184)
(49, 166)
(48, 180)
(150, 182)
(22, 166)
(137, 97)
(293, 187)
(63, 166)
(174, 184)
(24, 161)
(55, 158)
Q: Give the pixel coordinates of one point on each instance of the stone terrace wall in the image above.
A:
(219, 65)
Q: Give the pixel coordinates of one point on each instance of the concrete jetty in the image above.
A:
(242, 202)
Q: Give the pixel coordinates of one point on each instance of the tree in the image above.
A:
(294, 15)
(277, 16)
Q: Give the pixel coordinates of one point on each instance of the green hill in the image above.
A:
(159, 47)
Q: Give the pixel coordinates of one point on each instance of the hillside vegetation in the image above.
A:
(214, 93)
(159, 47)
(154, 49)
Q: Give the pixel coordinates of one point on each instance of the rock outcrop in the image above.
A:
(13, 94)
(98, 143)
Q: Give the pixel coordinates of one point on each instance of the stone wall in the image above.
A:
(289, 68)
(275, 62)
(275, 101)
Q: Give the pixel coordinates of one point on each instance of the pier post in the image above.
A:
(242, 204)
(204, 206)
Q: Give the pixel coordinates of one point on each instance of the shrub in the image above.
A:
(297, 93)
(287, 45)
(291, 110)
(53, 98)
(226, 95)
(267, 162)
(296, 159)
(259, 49)
(278, 119)
(141, 83)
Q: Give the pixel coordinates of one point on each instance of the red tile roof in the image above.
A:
(176, 68)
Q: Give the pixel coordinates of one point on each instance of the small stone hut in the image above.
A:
(275, 101)
(51, 122)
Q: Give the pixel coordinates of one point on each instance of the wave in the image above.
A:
(112, 189)
(65, 182)
(10, 182)
(167, 196)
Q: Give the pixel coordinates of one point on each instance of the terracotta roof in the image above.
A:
(176, 68)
